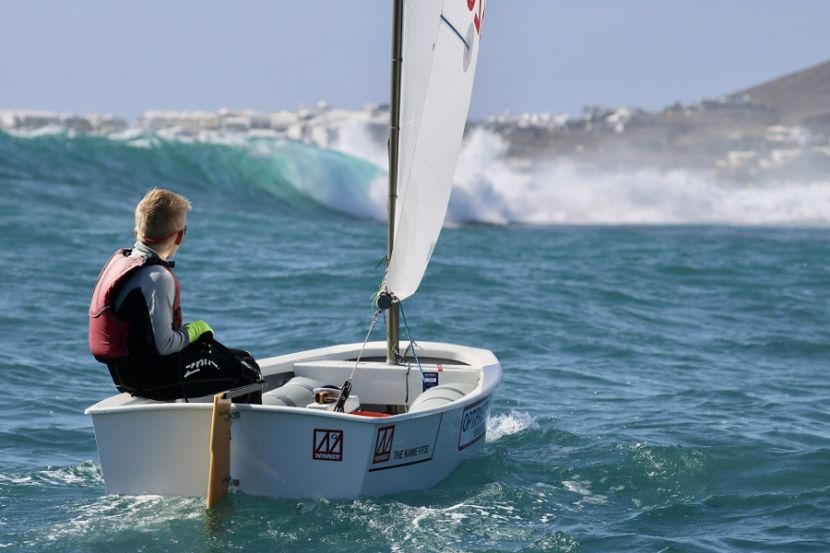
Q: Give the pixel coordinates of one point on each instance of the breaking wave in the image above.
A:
(493, 188)
(490, 190)
(349, 177)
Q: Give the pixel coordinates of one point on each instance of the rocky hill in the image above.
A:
(800, 98)
(780, 128)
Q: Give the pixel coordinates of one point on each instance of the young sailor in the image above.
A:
(135, 317)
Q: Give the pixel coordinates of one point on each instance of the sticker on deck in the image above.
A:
(383, 444)
(473, 423)
(430, 380)
(327, 445)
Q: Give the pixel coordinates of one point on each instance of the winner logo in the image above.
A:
(327, 445)
(383, 444)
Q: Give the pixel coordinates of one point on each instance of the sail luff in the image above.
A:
(440, 47)
(392, 321)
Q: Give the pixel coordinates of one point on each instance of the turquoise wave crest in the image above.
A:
(282, 175)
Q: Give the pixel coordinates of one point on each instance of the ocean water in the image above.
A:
(665, 385)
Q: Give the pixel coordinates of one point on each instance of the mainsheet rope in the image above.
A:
(365, 341)
(346, 389)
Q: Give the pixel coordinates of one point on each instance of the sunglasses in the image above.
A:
(163, 238)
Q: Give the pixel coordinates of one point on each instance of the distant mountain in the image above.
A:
(800, 98)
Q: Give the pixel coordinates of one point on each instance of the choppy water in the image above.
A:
(666, 387)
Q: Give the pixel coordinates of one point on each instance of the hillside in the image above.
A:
(799, 98)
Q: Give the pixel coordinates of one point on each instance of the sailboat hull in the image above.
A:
(149, 447)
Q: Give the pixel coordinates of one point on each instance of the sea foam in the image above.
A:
(499, 426)
(493, 188)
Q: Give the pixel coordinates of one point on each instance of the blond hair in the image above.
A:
(159, 215)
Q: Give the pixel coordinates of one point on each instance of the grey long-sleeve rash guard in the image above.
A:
(159, 290)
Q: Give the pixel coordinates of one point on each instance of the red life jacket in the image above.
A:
(108, 332)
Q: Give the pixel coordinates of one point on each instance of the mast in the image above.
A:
(393, 321)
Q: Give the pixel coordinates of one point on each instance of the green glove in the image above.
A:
(196, 329)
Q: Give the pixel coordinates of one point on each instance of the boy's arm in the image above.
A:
(159, 293)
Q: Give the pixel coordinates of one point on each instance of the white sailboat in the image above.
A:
(405, 418)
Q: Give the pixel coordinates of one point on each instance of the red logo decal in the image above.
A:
(479, 16)
(327, 445)
(383, 444)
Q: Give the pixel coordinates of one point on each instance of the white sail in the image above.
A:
(440, 48)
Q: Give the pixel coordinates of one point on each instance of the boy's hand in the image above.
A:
(196, 329)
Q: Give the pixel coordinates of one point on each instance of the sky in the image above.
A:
(122, 58)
